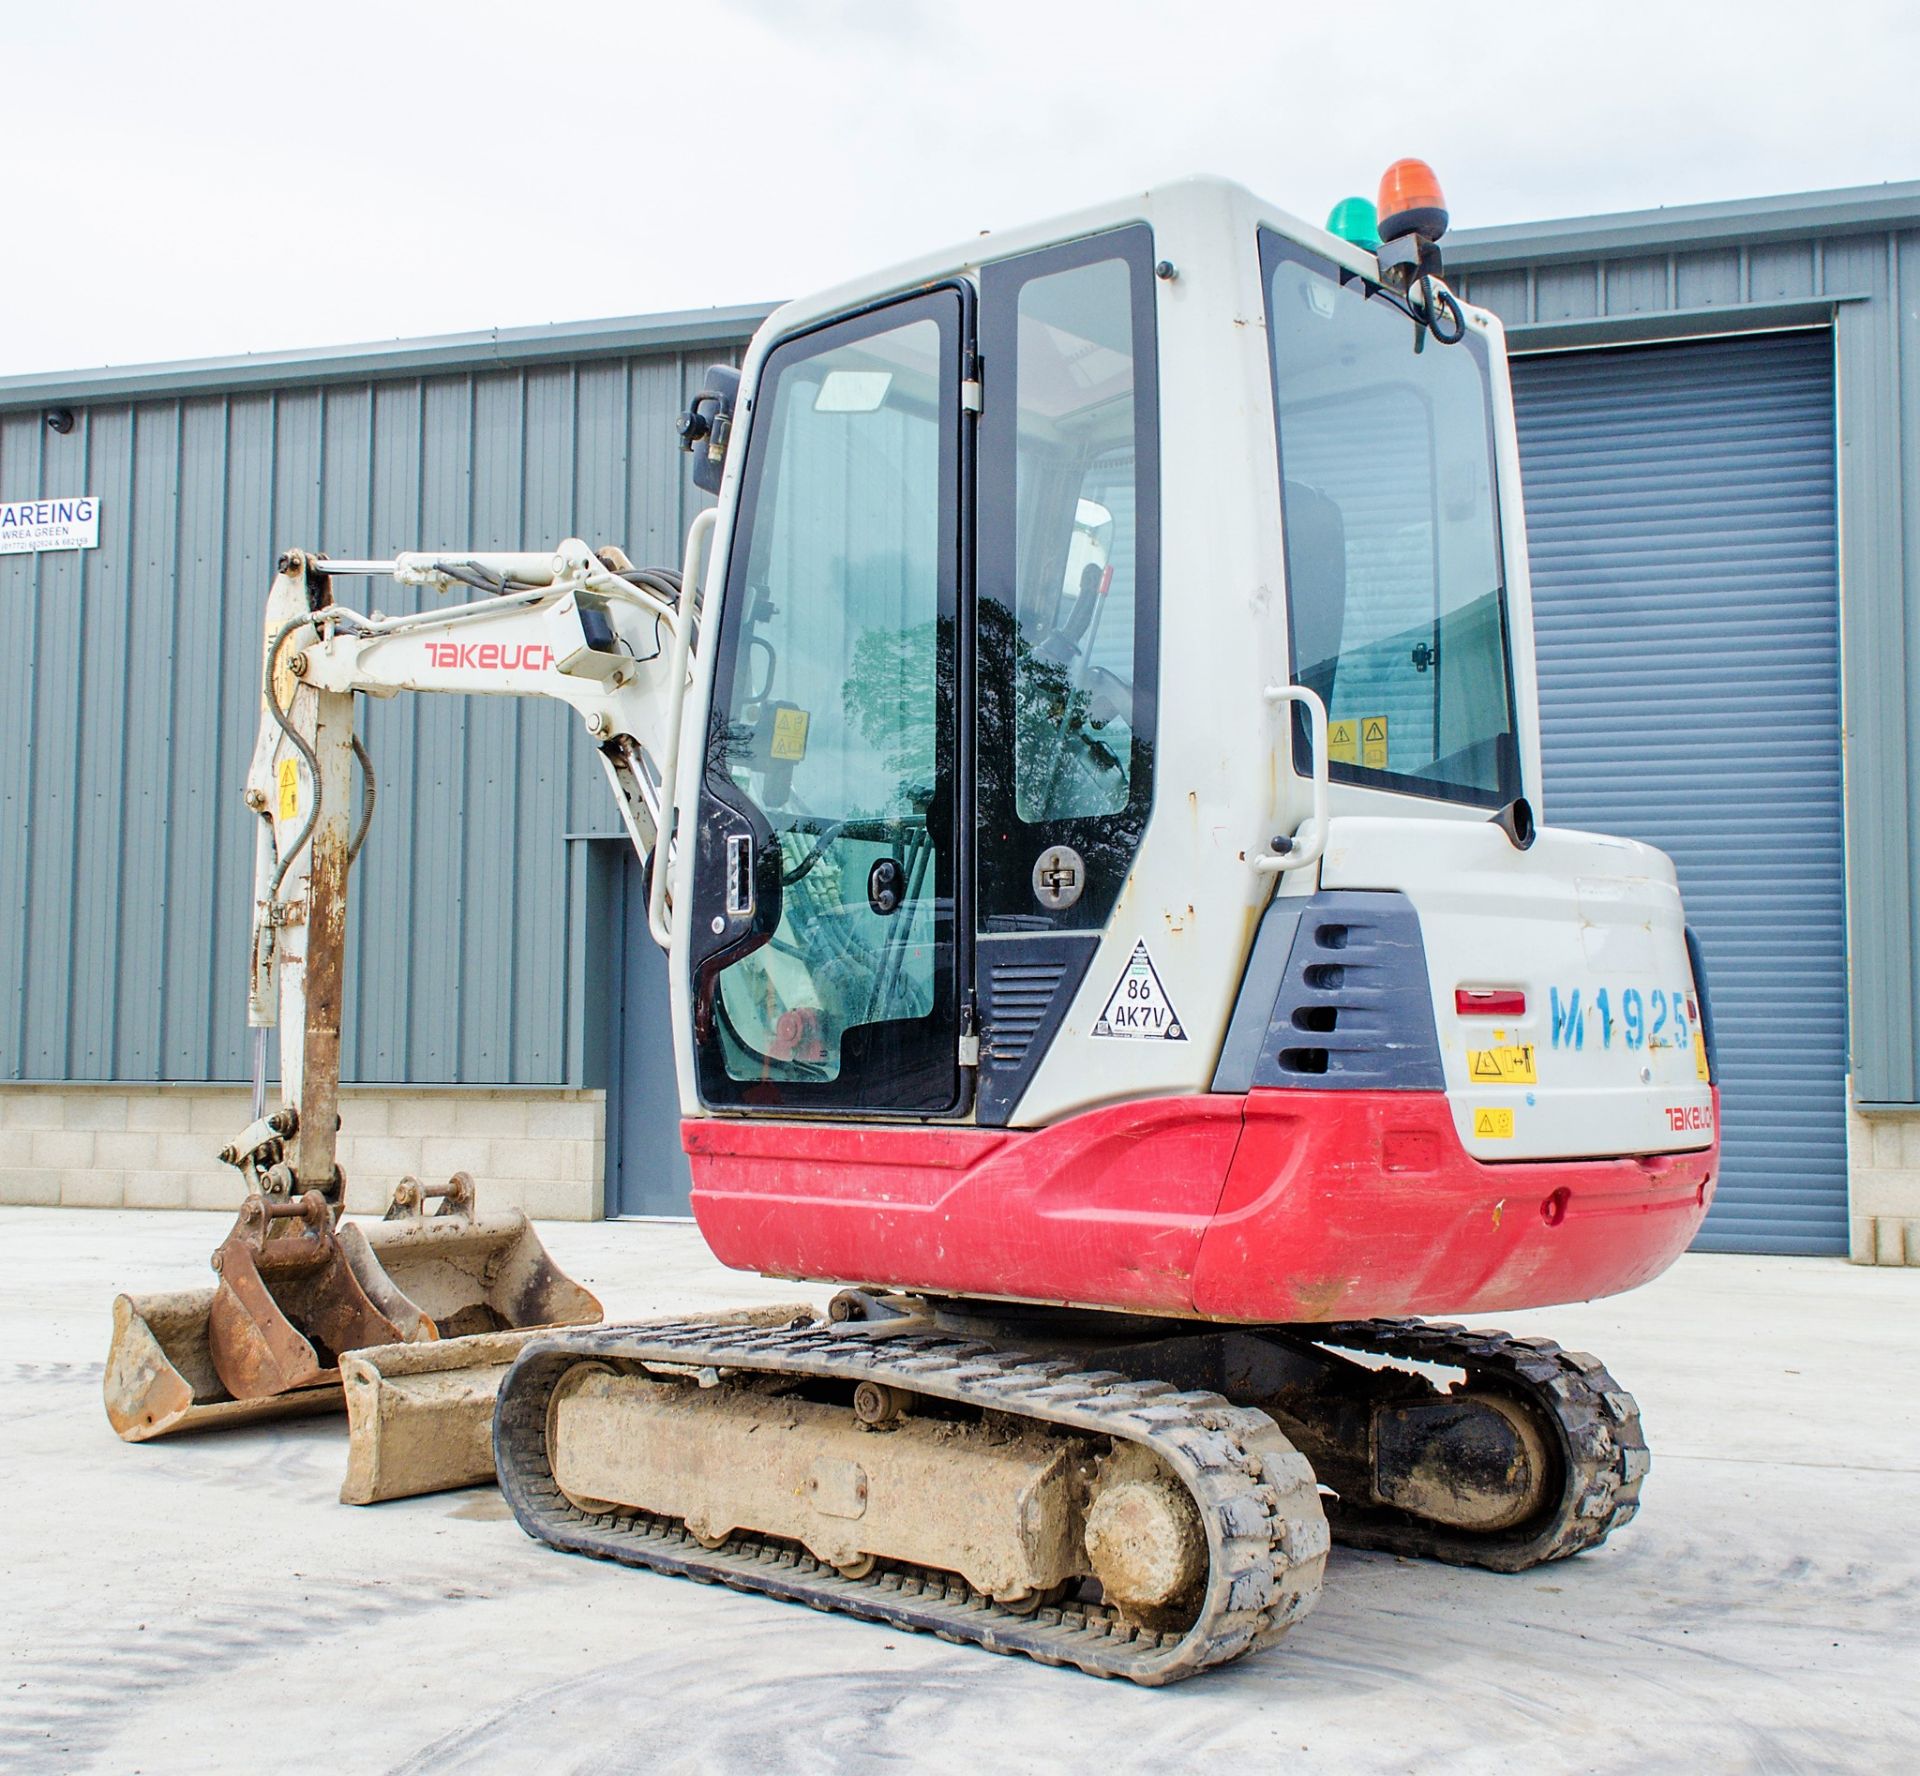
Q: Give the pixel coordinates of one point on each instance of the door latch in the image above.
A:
(739, 875)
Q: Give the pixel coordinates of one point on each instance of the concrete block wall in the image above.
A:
(1883, 1194)
(155, 1147)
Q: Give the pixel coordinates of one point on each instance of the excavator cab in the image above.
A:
(1117, 810)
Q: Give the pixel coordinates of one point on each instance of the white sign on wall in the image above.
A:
(27, 526)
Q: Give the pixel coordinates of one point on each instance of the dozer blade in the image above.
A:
(420, 1416)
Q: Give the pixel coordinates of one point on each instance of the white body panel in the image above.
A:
(1590, 930)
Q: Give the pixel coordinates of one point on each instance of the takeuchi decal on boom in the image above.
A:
(489, 656)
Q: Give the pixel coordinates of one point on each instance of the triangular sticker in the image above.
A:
(1138, 1009)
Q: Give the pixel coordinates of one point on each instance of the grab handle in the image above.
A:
(1302, 851)
(692, 565)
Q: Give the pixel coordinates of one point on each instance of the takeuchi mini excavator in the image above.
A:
(1088, 769)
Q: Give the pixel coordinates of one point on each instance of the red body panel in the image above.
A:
(1276, 1206)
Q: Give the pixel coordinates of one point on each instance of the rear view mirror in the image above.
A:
(705, 425)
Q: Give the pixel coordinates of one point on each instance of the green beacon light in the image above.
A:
(1354, 219)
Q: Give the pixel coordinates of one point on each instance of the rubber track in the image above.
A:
(1594, 1421)
(1266, 1532)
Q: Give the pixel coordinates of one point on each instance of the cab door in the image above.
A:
(831, 909)
(1068, 628)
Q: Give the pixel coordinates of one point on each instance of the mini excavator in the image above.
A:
(1088, 772)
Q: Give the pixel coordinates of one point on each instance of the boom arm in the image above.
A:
(588, 628)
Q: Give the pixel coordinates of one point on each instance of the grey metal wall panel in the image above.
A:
(1681, 521)
(129, 690)
(647, 1170)
(1879, 358)
(1635, 286)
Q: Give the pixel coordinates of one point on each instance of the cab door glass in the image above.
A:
(1068, 594)
(834, 724)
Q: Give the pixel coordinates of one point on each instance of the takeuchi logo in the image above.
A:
(489, 656)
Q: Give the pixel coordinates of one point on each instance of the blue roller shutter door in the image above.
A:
(1681, 522)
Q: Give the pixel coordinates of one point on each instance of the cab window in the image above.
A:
(1068, 574)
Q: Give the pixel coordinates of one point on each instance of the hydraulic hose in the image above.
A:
(300, 746)
(369, 790)
(368, 779)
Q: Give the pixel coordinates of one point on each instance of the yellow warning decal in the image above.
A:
(790, 734)
(289, 789)
(1359, 740)
(1493, 1125)
(1702, 1071)
(1512, 1065)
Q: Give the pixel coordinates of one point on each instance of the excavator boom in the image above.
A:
(299, 1289)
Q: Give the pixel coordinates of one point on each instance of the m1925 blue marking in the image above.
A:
(1656, 1019)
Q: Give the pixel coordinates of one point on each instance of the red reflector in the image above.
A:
(1489, 1002)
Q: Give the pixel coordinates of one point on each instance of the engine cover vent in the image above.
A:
(1354, 1009)
(1027, 983)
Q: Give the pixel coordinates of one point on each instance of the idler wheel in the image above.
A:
(1144, 1539)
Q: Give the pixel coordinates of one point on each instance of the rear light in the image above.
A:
(1507, 1002)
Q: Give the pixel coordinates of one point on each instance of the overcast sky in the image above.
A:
(200, 179)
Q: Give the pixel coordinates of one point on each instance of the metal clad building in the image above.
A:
(128, 698)
(1720, 426)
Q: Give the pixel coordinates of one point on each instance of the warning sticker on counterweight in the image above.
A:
(1138, 1009)
(1510, 1065)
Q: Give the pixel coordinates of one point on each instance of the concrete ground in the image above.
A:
(206, 1604)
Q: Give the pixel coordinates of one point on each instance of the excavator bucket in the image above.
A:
(263, 1343)
(420, 1416)
(297, 1293)
(288, 1302)
(463, 1272)
(160, 1375)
